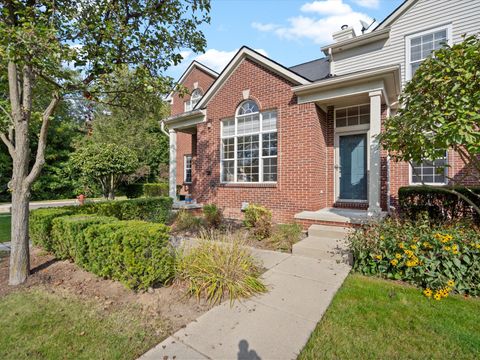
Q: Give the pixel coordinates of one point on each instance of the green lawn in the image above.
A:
(376, 319)
(4, 227)
(37, 324)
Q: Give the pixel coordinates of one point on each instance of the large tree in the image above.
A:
(440, 110)
(75, 46)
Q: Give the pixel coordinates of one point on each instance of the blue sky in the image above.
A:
(288, 31)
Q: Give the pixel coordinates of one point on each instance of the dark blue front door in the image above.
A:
(353, 167)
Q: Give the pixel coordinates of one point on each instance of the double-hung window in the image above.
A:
(430, 172)
(421, 45)
(194, 99)
(187, 169)
(249, 146)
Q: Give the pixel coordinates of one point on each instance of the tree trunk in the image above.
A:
(20, 254)
(111, 192)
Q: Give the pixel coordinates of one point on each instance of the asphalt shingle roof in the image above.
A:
(313, 70)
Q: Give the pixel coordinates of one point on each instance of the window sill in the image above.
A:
(248, 185)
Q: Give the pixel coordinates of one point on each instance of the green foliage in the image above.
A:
(41, 221)
(106, 163)
(220, 268)
(438, 202)
(133, 191)
(440, 109)
(155, 189)
(67, 237)
(423, 254)
(213, 215)
(284, 236)
(259, 220)
(186, 221)
(135, 253)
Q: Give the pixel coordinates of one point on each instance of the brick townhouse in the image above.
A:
(301, 140)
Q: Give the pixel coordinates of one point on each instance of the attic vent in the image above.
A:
(346, 33)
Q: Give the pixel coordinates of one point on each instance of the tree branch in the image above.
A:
(42, 140)
(8, 144)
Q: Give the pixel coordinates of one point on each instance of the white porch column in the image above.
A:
(172, 174)
(374, 208)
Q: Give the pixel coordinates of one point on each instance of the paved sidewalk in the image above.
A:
(275, 325)
(5, 208)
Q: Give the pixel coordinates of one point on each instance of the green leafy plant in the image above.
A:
(213, 215)
(133, 191)
(218, 269)
(284, 236)
(440, 258)
(259, 220)
(155, 189)
(40, 223)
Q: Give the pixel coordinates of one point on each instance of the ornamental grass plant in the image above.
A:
(219, 267)
(441, 258)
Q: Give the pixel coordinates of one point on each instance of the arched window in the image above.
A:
(194, 99)
(249, 145)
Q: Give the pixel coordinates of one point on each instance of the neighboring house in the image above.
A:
(301, 139)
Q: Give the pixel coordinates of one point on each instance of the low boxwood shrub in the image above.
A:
(40, 224)
(68, 235)
(440, 258)
(155, 189)
(259, 220)
(151, 209)
(213, 215)
(218, 269)
(135, 253)
(438, 202)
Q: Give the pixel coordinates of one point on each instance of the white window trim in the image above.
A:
(408, 39)
(410, 175)
(185, 169)
(260, 149)
(188, 104)
(350, 128)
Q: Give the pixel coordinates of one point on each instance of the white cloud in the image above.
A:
(333, 14)
(218, 59)
(327, 7)
(264, 27)
(185, 54)
(371, 4)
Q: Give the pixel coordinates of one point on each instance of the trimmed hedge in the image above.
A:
(440, 204)
(68, 236)
(135, 253)
(40, 225)
(133, 191)
(155, 189)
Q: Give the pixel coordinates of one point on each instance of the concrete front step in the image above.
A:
(336, 232)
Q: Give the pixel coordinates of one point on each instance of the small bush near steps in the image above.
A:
(259, 220)
(284, 236)
(439, 258)
(213, 215)
(185, 221)
(219, 269)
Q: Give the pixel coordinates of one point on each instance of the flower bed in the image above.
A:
(439, 258)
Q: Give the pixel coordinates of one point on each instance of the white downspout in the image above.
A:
(332, 64)
(162, 127)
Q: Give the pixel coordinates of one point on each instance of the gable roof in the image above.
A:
(407, 4)
(247, 53)
(194, 64)
(313, 70)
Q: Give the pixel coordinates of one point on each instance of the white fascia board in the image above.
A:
(357, 41)
(186, 120)
(242, 54)
(193, 64)
(395, 15)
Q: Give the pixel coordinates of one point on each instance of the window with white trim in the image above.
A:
(420, 46)
(187, 169)
(194, 99)
(249, 146)
(352, 116)
(430, 172)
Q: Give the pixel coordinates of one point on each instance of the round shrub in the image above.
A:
(259, 220)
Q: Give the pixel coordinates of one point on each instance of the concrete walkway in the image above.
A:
(275, 325)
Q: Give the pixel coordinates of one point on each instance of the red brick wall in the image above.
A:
(301, 144)
(184, 140)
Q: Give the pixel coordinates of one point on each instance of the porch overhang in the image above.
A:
(186, 122)
(353, 87)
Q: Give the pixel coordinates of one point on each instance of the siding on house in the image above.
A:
(463, 15)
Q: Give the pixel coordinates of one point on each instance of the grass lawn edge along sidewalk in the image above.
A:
(5, 220)
(377, 319)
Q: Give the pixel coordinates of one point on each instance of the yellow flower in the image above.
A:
(451, 283)
(378, 257)
(394, 262)
(382, 237)
(447, 248)
(426, 245)
(401, 246)
(455, 252)
(398, 256)
(437, 296)
(427, 292)
(413, 247)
